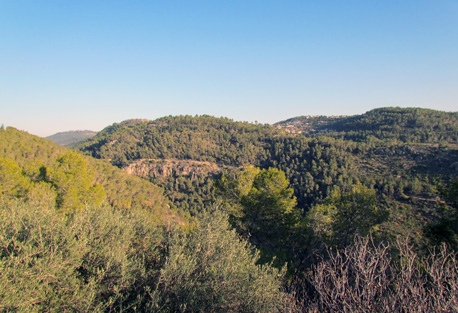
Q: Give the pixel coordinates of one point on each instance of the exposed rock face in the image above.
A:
(163, 168)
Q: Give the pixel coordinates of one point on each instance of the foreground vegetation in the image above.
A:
(365, 277)
(103, 260)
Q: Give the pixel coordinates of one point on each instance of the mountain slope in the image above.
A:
(36, 155)
(70, 139)
(201, 138)
(413, 125)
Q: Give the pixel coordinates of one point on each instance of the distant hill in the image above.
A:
(72, 138)
(413, 125)
(199, 138)
(214, 143)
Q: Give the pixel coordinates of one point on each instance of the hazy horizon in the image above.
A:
(86, 65)
(256, 121)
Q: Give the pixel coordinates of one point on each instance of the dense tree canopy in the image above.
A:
(262, 208)
(346, 214)
(413, 125)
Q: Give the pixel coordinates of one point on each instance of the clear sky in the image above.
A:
(68, 65)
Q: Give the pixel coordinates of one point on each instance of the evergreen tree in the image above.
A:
(262, 208)
(346, 214)
(74, 183)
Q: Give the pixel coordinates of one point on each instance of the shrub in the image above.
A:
(93, 261)
(210, 269)
(366, 278)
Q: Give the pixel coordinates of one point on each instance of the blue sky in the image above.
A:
(67, 65)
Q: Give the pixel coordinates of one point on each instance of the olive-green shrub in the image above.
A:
(92, 261)
(210, 269)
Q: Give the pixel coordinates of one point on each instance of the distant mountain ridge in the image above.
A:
(71, 138)
(414, 125)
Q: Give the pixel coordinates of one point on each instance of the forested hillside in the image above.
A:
(202, 138)
(409, 125)
(382, 157)
(70, 176)
(219, 142)
(404, 174)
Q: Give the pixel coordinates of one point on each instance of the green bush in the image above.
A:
(96, 260)
(104, 260)
(210, 269)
